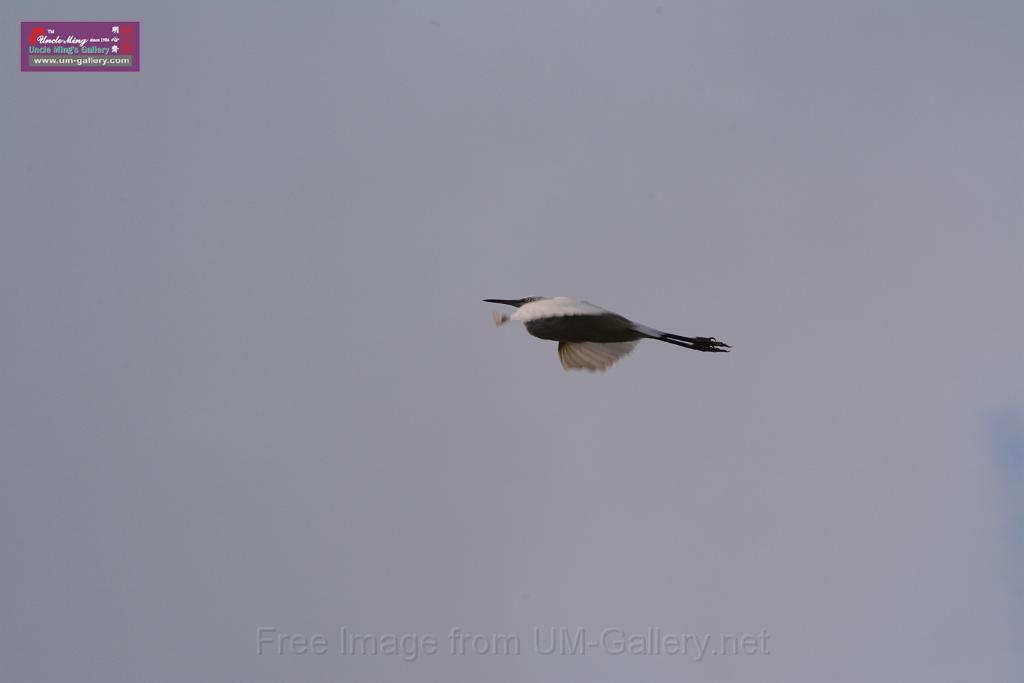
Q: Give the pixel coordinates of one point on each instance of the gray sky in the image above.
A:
(247, 380)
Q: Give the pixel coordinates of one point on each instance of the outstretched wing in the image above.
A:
(592, 355)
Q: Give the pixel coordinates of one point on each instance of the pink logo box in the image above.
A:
(79, 46)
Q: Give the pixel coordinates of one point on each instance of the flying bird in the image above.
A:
(589, 337)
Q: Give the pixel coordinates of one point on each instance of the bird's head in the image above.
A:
(515, 302)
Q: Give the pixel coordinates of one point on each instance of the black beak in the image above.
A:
(508, 302)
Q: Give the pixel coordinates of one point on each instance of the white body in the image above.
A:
(563, 305)
(579, 355)
(550, 308)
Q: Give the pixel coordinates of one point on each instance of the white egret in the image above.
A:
(590, 337)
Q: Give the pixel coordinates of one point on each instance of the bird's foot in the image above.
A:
(499, 318)
(710, 344)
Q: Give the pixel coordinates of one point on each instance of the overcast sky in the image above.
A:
(246, 379)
